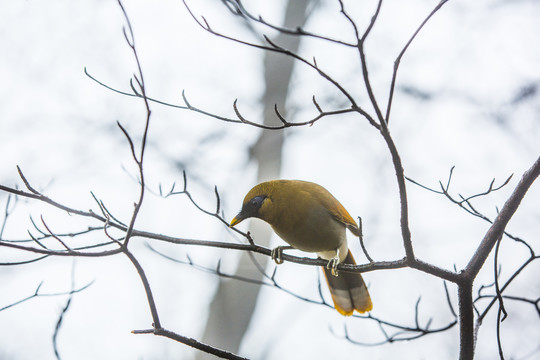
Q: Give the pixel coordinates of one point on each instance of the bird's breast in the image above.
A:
(311, 229)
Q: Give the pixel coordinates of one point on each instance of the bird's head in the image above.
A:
(256, 204)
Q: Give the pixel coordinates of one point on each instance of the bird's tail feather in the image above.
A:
(348, 290)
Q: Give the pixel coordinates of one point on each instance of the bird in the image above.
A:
(309, 218)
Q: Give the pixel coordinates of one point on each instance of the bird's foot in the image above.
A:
(333, 264)
(277, 252)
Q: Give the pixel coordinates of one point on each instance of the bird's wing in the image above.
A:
(342, 215)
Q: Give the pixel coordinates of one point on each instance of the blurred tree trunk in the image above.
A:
(234, 302)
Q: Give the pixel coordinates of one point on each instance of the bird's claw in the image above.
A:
(276, 254)
(332, 265)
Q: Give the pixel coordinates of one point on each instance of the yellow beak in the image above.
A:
(236, 220)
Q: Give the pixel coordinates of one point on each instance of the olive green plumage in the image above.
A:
(309, 218)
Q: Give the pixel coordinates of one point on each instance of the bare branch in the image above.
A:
(481, 316)
(363, 60)
(301, 260)
(416, 330)
(390, 332)
(448, 300)
(53, 235)
(62, 314)
(317, 105)
(139, 77)
(402, 333)
(298, 31)
(217, 271)
(240, 118)
(488, 191)
(400, 56)
(273, 47)
(38, 196)
(7, 212)
(38, 294)
(105, 212)
(496, 275)
(280, 117)
(500, 222)
(15, 263)
(400, 177)
(190, 342)
(131, 146)
(465, 203)
(361, 238)
(26, 181)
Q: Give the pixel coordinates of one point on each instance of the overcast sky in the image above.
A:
(467, 96)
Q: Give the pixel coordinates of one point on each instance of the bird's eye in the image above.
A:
(256, 202)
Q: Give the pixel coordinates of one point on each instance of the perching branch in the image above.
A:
(402, 332)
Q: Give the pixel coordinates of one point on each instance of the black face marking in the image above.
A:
(252, 206)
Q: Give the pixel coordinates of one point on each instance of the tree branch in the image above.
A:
(499, 224)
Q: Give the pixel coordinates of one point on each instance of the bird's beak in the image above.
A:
(237, 219)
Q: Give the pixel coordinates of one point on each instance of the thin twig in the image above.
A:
(63, 313)
(297, 31)
(400, 56)
(361, 238)
(130, 39)
(500, 222)
(274, 47)
(7, 212)
(38, 294)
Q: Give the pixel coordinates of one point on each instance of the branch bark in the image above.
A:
(468, 275)
(466, 321)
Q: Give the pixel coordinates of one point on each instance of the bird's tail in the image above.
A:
(348, 290)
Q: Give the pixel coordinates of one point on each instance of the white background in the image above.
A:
(473, 59)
